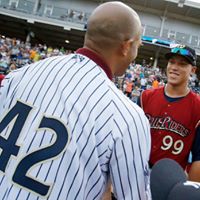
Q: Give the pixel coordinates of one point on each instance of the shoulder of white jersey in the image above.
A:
(129, 109)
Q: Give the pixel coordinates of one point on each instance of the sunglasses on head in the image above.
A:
(182, 51)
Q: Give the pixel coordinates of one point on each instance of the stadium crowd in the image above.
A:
(15, 53)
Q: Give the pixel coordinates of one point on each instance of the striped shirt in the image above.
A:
(65, 130)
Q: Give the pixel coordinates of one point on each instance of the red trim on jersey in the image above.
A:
(1, 78)
(97, 59)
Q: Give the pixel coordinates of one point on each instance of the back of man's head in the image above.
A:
(110, 23)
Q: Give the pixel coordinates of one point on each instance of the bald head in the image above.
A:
(111, 23)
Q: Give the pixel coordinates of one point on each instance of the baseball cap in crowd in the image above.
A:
(185, 51)
(168, 181)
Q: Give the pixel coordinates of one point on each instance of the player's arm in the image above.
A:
(194, 173)
(107, 193)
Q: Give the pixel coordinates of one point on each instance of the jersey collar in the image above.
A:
(97, 59)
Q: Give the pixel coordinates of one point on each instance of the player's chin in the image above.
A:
(173, 82)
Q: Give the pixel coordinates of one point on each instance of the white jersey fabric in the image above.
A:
(65, 130)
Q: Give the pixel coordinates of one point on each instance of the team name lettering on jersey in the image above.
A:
(167, 123)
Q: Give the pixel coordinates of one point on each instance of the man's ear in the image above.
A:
(125, 47)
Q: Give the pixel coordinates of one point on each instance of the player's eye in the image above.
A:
(171, 61)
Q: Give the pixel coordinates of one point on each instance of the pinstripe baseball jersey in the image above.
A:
(65, 130)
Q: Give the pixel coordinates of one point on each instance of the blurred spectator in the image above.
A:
(143, 83)
(129, 88)
(155, 83)
(135, 94)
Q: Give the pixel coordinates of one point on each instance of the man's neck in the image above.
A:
(176, 91)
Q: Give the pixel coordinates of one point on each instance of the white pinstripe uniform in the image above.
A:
(65, 129)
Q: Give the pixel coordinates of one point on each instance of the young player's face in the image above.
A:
(179, 70)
